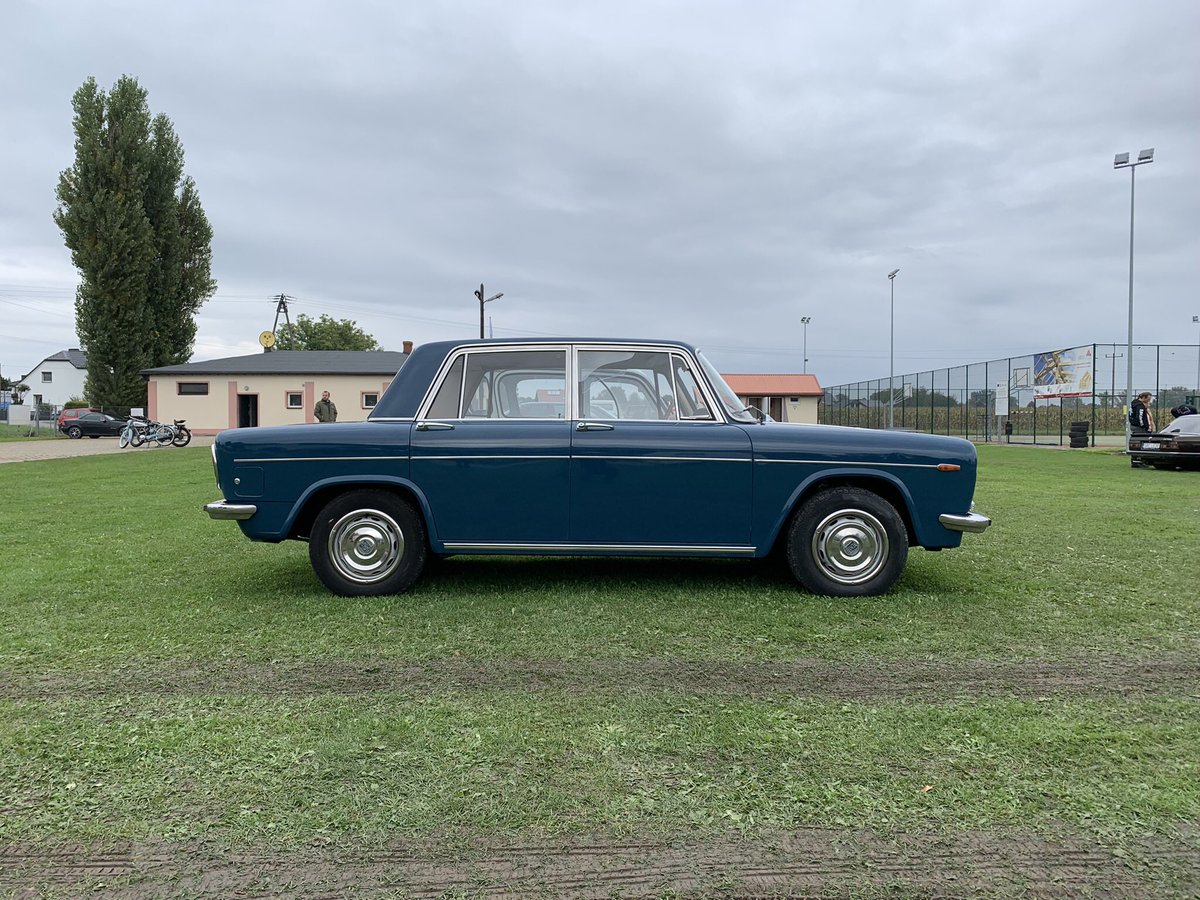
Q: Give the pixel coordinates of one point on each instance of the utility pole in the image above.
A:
(281, 306)
(1114, 357)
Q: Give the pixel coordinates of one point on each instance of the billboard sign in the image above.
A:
(1063, 373)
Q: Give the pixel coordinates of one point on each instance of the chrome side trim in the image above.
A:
(466, 546)
(236, 511)
(418, 457)
(972, 522)
(742, 459)
(317, 459)
(850, 462)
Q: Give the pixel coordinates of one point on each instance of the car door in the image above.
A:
(653, 464)
(491, 452)
(92, 424)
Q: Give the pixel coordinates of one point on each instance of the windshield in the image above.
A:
(733, 406)
(1184, 425)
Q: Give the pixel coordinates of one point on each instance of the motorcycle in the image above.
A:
(138, 431)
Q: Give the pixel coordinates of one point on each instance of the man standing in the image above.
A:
(1140, 421)
(326, 409)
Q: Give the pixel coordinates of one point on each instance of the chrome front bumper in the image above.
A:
(236, 511)
(972, 522)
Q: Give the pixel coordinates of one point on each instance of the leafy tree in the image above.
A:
(139, 238)
(15, 388)
(325, 333)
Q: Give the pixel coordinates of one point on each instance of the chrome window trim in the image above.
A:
(669, 349)
(466, 350)
(390, 419)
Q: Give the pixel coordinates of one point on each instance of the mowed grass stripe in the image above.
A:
(295, 771)
(924, 680)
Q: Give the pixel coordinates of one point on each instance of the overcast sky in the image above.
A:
(710, 171)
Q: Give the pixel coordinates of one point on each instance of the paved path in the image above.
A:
(24, 451)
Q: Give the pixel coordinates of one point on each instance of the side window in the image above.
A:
(445, 404)
(509, 384)
(626, 384)
(688, 396)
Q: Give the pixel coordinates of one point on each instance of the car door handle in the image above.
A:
(434, 426)
(593, 426)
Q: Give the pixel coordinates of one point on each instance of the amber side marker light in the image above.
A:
(948, 467)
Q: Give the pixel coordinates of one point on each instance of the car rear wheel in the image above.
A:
(366, 543)
(847, 542)
(75, 432)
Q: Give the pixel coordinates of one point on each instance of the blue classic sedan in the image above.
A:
(590, 447)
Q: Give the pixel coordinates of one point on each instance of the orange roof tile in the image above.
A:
(775, 385)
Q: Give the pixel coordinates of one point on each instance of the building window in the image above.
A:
(199, 388)
(295, 400)
(369, 399)
(47, 377)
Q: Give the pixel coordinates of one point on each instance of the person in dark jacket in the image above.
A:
(1141, 421)
(326, 409)
(1183, 409)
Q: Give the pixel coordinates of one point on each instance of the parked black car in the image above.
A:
(1175, 447)
(92, 424)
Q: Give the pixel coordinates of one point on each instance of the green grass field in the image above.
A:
(167, 683)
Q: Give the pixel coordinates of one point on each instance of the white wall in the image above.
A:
(66, 382)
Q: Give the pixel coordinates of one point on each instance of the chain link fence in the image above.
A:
(1024, 399)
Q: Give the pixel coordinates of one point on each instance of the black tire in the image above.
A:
(183, 437)
(75, 432)
(847, 542)
(366, 543)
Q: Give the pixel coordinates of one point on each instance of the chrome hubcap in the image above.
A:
(850, 546)
(366, 545)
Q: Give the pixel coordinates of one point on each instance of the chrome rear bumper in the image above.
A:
(236, 511)
(972, 522)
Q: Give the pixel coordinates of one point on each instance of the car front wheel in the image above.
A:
(75, 432)
(847, 542)
(366, 543)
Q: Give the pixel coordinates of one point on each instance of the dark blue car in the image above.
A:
(590, 447)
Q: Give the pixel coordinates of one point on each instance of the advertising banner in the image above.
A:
(1063, 373)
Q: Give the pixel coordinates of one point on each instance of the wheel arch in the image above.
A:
(299, 526)
(883, 485)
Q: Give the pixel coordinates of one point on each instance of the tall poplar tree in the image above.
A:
(139, 238)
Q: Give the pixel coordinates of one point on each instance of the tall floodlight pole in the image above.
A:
(1196, 321)
(483, 301)
(804, 320)
(1122, 161)
(892, 354)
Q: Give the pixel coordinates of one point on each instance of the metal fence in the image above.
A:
(969, 401)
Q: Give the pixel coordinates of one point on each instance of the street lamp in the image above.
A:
(482, 303)
(892, 354)
(1122, 161)
(804, 320)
